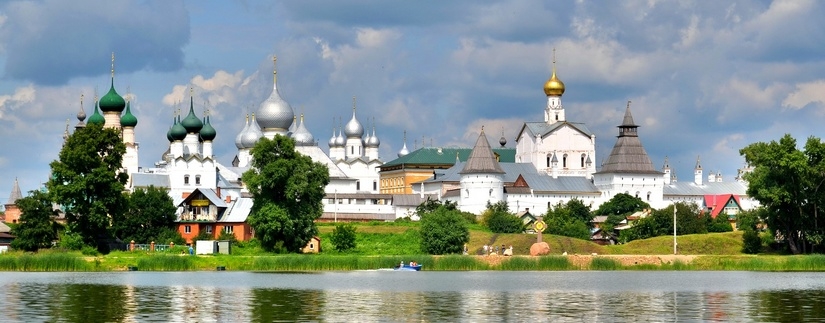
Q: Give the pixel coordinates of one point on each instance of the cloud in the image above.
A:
(21, 97)
(50, 42)
(810, 93)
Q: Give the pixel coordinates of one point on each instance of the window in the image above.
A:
(548, 161)
(564, 161)
(352, 150)
(227, 229)
(187, 229)
(648, 196)
(357, 185)
(197, 180)
(185, 179)
(374, 185)
(583, 156)
(208, 229)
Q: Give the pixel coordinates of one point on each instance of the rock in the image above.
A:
(539, 249)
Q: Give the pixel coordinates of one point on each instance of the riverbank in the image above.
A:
(57, 262)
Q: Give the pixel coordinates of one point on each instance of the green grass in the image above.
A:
(727, 243)
(48, 261)
(536, 263)
(604, 263)
(165, 263)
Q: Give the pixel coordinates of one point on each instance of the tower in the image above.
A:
(482, 178)
(355, 133)
(697, 172)
(554, 88)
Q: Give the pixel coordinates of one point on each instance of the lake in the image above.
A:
(388, 296)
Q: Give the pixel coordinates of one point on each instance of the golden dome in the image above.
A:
(554, 86)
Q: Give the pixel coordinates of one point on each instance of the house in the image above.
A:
(205, 210)
(5, 237)
(728, 204)
(313, 246)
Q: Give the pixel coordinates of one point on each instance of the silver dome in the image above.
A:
(354, 129)
(275, 112)
(332, 140)
(251, 136)
(340, 141)
(404, 151)
(302, 136)
(372, 141)
(239, 137)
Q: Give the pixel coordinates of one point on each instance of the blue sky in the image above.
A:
(706, 78)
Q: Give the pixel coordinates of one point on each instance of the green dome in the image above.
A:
(96, 117)
(169, 135)
(128, 119)
(208, 132)
(191, 122)
(112, 102)
(178, 132)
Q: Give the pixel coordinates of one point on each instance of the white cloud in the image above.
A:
(20, 97)
(805, 94)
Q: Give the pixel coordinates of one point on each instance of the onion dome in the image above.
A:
(191, 122)
(178, 131)
(239, 137)
(169, 132)
(404, 151)
(554, 86)
(81, 115)
(96, 117)
(275, 112)
(208, 132)
(128, 119)
(340, 141)
(112, 102)
(372, 141)
(293, 126)
(332, 142)
(502, 141)
(354, 129)
(302, 136)
(251, 136)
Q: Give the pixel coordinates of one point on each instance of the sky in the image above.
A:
(706, 78)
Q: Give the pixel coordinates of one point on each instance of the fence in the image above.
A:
(150, 246)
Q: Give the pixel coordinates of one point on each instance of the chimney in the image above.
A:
(218, 191)
(527, 209)
(228, 199)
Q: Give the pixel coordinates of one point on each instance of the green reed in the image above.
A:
(605, 263)
(44, 262)
(165, 263)
(456, 262)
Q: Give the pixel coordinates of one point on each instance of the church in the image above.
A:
(553, 162)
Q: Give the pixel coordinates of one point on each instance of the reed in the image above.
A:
(44, 262)
(163, 262)
(456, 262)
(332, 262)
(604, 263)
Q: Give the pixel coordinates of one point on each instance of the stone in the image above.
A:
(539, 249)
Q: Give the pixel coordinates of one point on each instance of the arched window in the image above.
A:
(548, 160)
(583, 157)
(564, 161)
(185, 179)
(648, 196)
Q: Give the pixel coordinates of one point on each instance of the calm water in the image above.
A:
(386, 296)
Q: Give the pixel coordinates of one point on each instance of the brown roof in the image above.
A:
(628, 154)
(482, 160)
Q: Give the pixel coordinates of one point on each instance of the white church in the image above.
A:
(553, 164)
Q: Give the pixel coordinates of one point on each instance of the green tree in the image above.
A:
(498, 219)
(618, 208)
(151, 211)
(36, 230)
(443, 231)
(168, 235)
(689, 220)
(719, 224)
(752, 243)
(788, 182)
(562, 221)
(287, 189)
(87, 181)
(343, 237)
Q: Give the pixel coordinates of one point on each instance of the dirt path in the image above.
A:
(583, 261)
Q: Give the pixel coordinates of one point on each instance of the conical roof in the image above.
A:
(482, 160)
(628, 154)
(15, 193)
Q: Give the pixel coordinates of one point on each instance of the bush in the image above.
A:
(71, 241)
(443, 231)
(170, 235)
(228, 236)
(751, 242)
(343, 237)
(89, 251)
(501, 222)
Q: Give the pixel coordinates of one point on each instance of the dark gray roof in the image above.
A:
(15, 193)
(482, 160)
(539, 183)
(543, 129)
(411, 199)
(713, 188)
(150, 179)
(628, 154)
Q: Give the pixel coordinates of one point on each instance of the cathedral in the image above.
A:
(552, 163)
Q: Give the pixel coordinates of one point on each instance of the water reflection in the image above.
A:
(454, 297)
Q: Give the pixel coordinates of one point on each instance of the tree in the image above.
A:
(560, 221)
(719, 224)
(88, 182)
(287, 189)
(498, 219)
(618, 208)
(443, 231)
(36, 229)
(689, 220)
(151, 211)
(343, 237)
(788, 183)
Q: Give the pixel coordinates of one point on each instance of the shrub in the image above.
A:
(500, 222)
(170, 235)
(751, 243)
(443, 231)
(343, 237)
(89, 251)
(228, 236)
(71, 241)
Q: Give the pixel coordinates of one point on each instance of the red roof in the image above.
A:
(716, 203)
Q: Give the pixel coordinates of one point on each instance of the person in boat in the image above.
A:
(401, 265)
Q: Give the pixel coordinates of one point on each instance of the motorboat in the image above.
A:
(408, 268)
